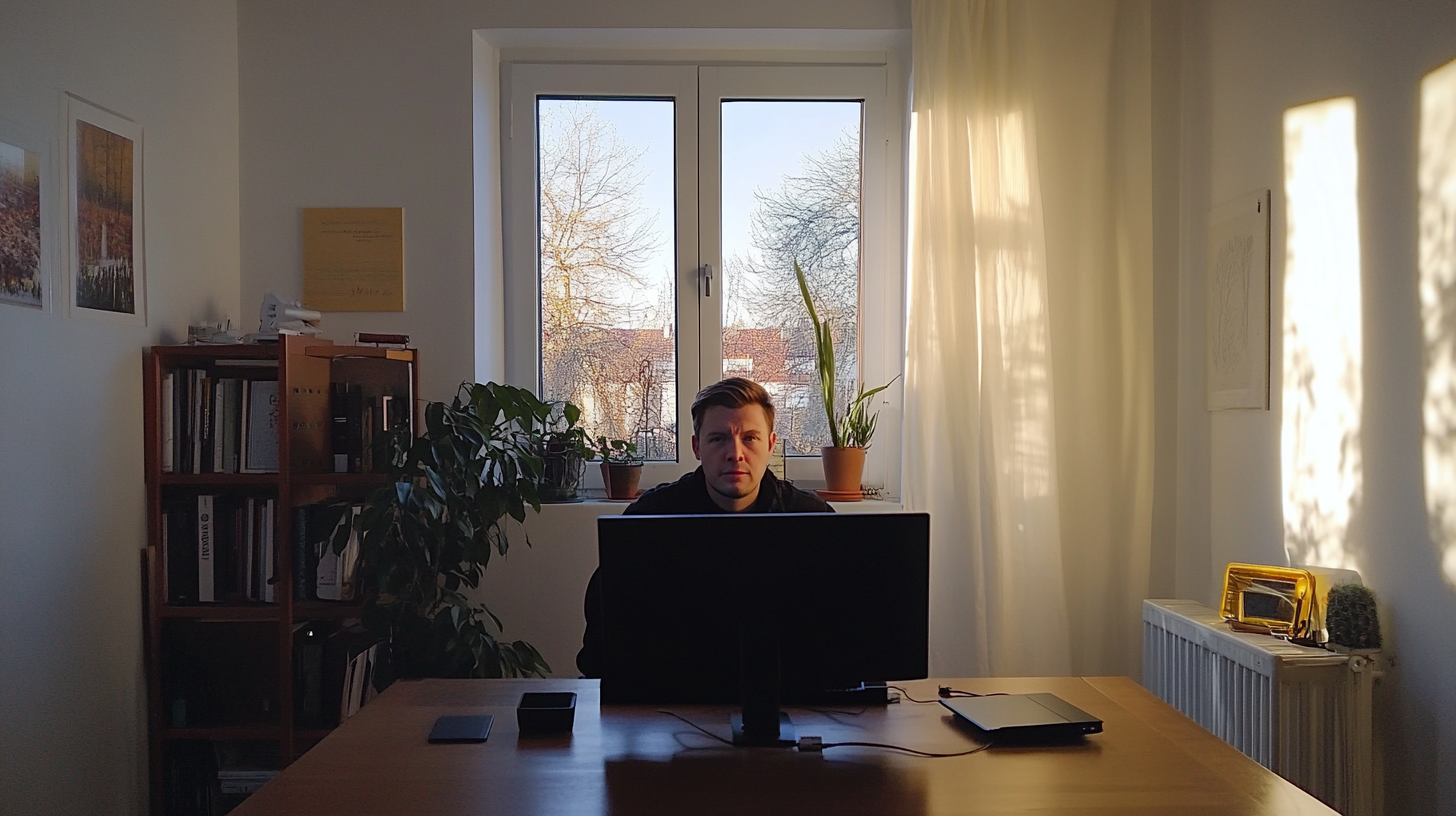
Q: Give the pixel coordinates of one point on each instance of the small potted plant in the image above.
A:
(564, 448)
(850, 431)
(621, 467)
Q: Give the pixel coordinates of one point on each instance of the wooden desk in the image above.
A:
(1149, 760)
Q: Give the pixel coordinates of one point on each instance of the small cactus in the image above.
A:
(1351, 617)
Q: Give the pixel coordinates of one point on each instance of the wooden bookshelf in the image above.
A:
(224, 670)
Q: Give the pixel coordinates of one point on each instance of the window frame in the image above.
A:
(700, 85)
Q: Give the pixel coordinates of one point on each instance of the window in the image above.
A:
(652, 215)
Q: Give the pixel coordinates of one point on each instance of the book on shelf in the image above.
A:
(308, 666)
(191, 774)
(244, 766)
(260, 454)
(270, 554)
(169, 421)
(219, 548)
(359, 413)
(336, 555)
(206, 568)
(206, 423)
(179, 517)
(326, 551)
(194, 409)
(355, 667)
(343, 425)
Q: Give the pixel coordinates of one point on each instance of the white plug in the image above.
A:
(815, 744)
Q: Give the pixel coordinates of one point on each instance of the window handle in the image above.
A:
(706, 270)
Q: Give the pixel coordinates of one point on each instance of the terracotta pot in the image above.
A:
(621, 480)
(843, 468)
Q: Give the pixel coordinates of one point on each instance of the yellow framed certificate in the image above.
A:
(353, 259)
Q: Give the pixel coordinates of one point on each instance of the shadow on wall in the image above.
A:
(1320, 435)
(1437, 183)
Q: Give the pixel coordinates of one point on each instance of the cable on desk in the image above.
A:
(912, 751)
(695, 725)
(817, 744)
(945, 692)
(827, 711)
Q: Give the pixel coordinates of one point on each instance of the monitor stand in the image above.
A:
(761, 724)
(782, 735)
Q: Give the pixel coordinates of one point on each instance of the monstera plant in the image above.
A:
(429, 534)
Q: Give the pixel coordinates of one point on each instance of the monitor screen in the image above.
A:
(844, 596)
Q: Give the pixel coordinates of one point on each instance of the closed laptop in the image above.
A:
(1024, 716)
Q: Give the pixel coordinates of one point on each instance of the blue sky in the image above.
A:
(763, 141)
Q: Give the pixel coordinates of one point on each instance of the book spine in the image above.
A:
(366, 437)
(326, 587)
(235, 407)
(261, 453)
(349, 558)
(181, 555)
(250, 547)
(167, 554)
(183, 407)
(195, 423)
(206, 554)
(270, 554)
(216, 427)
(169, 422)
(308, 661)
(339, 425)
(356, 429)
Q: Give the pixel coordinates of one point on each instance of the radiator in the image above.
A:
(1303, 713)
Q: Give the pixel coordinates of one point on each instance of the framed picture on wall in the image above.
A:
(1237, 339)
(106, 265)
(26, 228)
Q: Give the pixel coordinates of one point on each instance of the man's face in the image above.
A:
(734, 444)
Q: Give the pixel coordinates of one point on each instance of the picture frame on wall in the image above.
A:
(106, 263)
(1237, 331)
(27, 229)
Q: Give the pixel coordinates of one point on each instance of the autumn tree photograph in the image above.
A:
(105, 271)
(20, 272)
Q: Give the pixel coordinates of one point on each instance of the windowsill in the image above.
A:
(597, 500)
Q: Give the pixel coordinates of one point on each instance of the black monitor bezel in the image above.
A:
(667, 581)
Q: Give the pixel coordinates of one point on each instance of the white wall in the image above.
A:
(1244, 64)
(374, 104)
(72, 501)
(371, 104)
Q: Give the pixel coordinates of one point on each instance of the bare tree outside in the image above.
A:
(606, 343)
(813, 218)
(608, 332)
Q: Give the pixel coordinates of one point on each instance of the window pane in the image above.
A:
(791, 191)
(608, 306)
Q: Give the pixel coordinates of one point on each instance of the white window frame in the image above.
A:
(694, 79)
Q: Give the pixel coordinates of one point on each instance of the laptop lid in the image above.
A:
(1024, 715)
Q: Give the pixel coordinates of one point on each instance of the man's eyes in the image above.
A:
(714, 439)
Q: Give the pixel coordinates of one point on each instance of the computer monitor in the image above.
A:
(719, 608)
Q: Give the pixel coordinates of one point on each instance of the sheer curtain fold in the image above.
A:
(1003, 287)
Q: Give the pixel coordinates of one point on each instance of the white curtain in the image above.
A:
(1028, 379)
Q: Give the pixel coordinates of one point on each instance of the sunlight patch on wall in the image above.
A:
(1320, 435)
(1437, 180)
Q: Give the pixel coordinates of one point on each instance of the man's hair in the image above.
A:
(734, 392)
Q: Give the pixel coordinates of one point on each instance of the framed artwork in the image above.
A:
(25, 219)
(106, 266)
(1237, 339)
(353, 259)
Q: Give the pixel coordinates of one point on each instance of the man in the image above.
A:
(733, 422)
